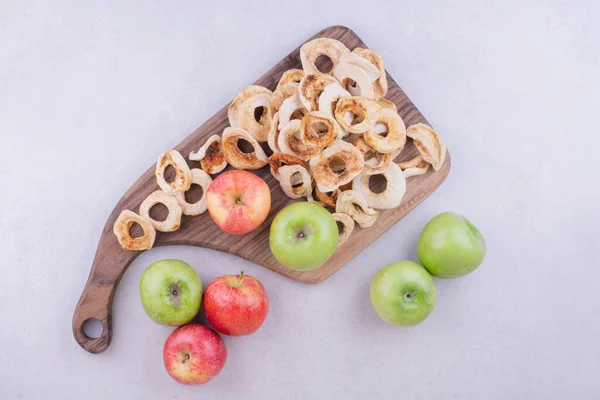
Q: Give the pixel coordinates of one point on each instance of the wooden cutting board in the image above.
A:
(111, 260)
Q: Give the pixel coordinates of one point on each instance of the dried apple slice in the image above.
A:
(339, 153)
(395, 135)
(310, 51)
(183, 176)
(122, 228)
(429, 144)
(391, 197)
(353, 204)
(173, 220)
(347, 226)
(202, 179)
(236, 157)
(210, 155)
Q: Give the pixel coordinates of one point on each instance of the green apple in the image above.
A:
(403, 293)
(450, 246)
(171, 292)
(303, 236)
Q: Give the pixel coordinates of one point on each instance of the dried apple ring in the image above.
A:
(347, 226)
(375, 162)
(319, 129)
(274, 134)
(328, 198)
(352, 58)
(330, 96)
(311, 87)
(353, 204)
(385, 103)
(312, 196)
(395, 137)
(183, 176)
(279, 95)
(290, 110)
(210, 155)
(323, 166)
(290, 76)
(123, 225)
(254, 117)
(310, 51)
(391, 197)
(233, 113)
(202, 179)
(173, 220)
(279, 160)
(290, 142)
(429, 144)
(365, 111)
(295, 181)
(380, 85)
(346, 72)
(236, 157)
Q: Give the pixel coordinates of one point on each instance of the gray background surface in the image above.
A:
(92, 91)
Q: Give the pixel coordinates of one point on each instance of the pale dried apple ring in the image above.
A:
(279, 95)
(323, 165)
(290, 76)
(352, 58)
(122, 227)
(414, 167)
(236, 157)
(202, 179)
(274, 134)
(328, 198)
(353, 204)
(310, 132)
(413, 162)
(279, 160)
(183, 176)
(385, 103)
(290, 109)
(290, 142)
(364, 109)
(173, 220)
(375, 162)
(345, 72)
(347, 226)
(210, 155)
(380, 85)
(311, 87)
(395, 139)
(429, 144)
(258, 128)
(233, 113)
(391, 197)
(330, 96)
(310, 51)
(294, 188)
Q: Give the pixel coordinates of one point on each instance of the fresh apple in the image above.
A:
(171, 292)
(194, 354)
(303, 236)
(450, 246)
(238, 201)
(403, 293)
(236, 305)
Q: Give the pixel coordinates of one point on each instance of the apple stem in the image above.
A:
(239, 283)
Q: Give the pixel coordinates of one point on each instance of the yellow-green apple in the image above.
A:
(450, 246)
(238, 201)
(236, 305)
(303, 236)
(171, 292)
(403, 293)
(194, 354)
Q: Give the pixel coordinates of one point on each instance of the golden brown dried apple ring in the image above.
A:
(347, 186)
(310, 51)
(391, 197)
(259, 129)
(347, 226)
(311, 87)
(122, 226)
(429, 144)
(173, 220)
(346, 72)
(375, 162)
(202, 179)
(210, 155)
(311, 132)
(277, 161)
(290, 142)
(364, 109)
(312, 196)
(279, 95)
(290, 76)
(294, 188)
(323, 166)
(353, 204)
(328, 198)
(395, 138)
(236, 157)
(233, 113)
(183, 176)
(380, 86)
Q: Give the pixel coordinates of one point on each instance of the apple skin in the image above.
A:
(171, 292)
(450, 246)
(236, 305)
(238, 201)
(303, 236)
(194, 354)
(403, 293)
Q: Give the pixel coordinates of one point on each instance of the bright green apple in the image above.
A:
(450, 246)
(171, 292)
(303, 236)
(403, 293)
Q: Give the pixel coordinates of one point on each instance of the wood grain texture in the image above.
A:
(111, 260)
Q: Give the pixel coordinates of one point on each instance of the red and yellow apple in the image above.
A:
(238, 201)
(194, 354)
(236, 305)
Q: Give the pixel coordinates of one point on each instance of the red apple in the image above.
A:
(238, 201)
(236, 305)
(194, 354)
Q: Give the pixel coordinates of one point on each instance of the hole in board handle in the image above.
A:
(92, 328)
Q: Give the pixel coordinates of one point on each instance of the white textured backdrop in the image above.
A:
(92, 91)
